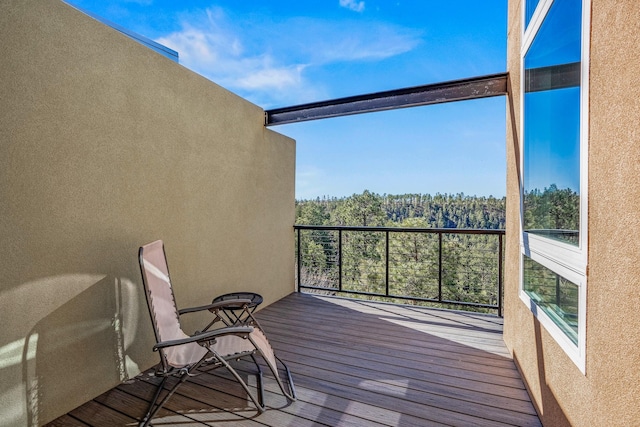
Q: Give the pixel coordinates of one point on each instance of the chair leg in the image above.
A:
(291, 395)
(256, 401)
(292, 389)
(149, 415)
(260, 381)
(154, 410)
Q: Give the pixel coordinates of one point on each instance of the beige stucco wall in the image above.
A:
(610, 391)
(104, 146)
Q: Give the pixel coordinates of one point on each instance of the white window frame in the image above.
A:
(564, 259)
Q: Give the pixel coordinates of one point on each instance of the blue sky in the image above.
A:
(283, 53)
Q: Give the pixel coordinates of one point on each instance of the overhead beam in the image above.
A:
(455, 90)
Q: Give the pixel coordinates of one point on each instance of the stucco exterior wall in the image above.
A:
(106, 145)
(609, 392)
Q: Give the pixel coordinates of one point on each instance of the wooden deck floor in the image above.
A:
(354, 363)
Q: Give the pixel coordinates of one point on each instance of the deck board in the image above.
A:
(354, 363)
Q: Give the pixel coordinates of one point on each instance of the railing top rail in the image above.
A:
(401, 229)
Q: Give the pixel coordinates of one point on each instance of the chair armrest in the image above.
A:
(220, 304)
(205, 336)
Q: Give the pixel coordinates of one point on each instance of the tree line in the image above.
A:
(405, 210)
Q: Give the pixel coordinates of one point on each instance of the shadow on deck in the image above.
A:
(354, 363)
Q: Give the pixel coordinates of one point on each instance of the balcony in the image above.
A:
(107, 145)
(354, 363)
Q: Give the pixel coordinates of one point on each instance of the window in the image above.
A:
(554, 168)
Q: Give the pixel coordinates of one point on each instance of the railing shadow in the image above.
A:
(402, 368)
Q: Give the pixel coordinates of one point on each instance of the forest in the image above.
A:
(406, 210)
(411, 263)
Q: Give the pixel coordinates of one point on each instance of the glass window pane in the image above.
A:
(555, 295)
(558, 39)
(552, 126)
(530, 8)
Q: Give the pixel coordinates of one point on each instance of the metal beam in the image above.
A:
(455, 90)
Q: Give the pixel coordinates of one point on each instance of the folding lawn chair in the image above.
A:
(181, 355)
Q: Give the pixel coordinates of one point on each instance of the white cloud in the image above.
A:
(365, 42)
(209, 45)
(221, 57)
(275, 78)
(321, 41)
(266, 62)
(357, 6)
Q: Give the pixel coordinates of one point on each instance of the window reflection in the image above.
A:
(552, 126)
(530, 8)
(555, 295)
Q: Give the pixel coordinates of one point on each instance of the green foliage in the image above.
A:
(370, 209)
(553, 212)
(363, 261)
(413, 264)
(312, 213)
(360, 209)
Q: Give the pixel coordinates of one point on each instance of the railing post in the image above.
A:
(500, 275)
(386, 270)
(440, 266)
(299, 258)
(340, 260)
(558, 302)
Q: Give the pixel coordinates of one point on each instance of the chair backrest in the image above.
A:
(162, 304)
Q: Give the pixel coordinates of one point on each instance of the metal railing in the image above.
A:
(451, 267)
